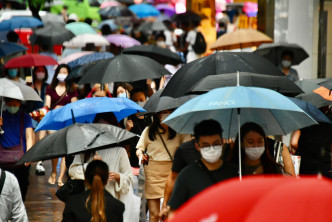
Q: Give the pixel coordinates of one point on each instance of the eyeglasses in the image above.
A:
(215, 147)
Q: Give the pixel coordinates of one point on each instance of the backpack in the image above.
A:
(199, 46)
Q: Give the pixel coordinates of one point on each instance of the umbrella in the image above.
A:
(8, 48)
(324, 92)
(74, 56)
(123, 41)
(327, 83)
(115, 11)
(82, 40)
(79, 28)
(188, 16)
(75, 139)
(16, 90)
(85, 110)
(51, 35)
(273, 52)
(110, 22)
(51, 19)
(168, 9)
(256, 198)
(19, 22)
(161, 55)
(239, 39)
(90, 58)
(157, 104)
(106, 4)
(79, 71)
(126, 2)
(277, 83)
(217, 63)
(30, 60)
(148, 27)
(124, 68)
(144, 10)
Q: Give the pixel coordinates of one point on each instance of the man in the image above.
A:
(11, 204)
(205, 172)
(285, 66)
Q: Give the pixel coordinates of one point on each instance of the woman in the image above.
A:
(95, 204)
(254, 152)
(59, 93)
(122, 90)
(161, 156)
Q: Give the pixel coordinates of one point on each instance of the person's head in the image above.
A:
(208, 136)
(40, 73)
(156, 125)
(12, 73)
(286, 59)
(60, 75)
(100, 90)
(65, 7)
(88, 21)
(12, 37)
(122, 90)
(96, 177)
(106, 30)
(106, 118)
(138, 96)
(161, 40)
(12, 105)
(90, 46)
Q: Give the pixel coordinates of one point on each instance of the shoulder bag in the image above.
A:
(162, 140)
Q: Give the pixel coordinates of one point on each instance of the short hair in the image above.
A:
(12, 36)
(207, 128)
(288, 53)
(137, 90)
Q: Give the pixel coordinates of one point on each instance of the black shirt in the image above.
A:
(186, 154)
(193, 179)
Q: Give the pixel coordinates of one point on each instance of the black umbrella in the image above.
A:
(77, 138)
(123, 68)
(187, 17)
(273, 52)
(148, 27)
(51, 35)
(217, 63)
(161, 55)
(126, 2)
(278, 83)
(78, 72)
(157, 104)
(115, 11)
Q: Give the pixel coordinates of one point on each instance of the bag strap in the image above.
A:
(162, 140)
(56, 103)
(2, 180)
(21, 127)
(208, 172)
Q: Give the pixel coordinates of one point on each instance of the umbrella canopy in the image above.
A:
(74, 56)
(274, 51)
(124, 68)
(277, 83)
(217, 63)
(85, 110)
(20, 22)
(115, 11)
(51, 35)
(324, 92)
(327, 83)
(144, 10)
(79, 71)
(157, 104)
(273, 111)
(16, 90)
(168, 9)
(239, 39)
(79, 28)
(8, 48)
(110, 22)
(123, 41)
(188, 16)
(90, 58)
(106, 4)
(256, 198)
(148, 27)
(77, 138)
(30, 60)
(82, 40)
(53, 19)
(161, 55)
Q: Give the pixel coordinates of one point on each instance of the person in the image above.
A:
(191, 31)
(17, 127)
(160, 142)
(122, 90)
(99, 90)
(285, 66)
(64, 13)
(48, 51)
(95, 204)
(59, 93)
(205, 172)
(255, 155)
(11, 205)
(14, 74)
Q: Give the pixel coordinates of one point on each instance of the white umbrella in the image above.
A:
(82, 40)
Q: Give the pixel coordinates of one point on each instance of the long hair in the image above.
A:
(269, 165)
(156, 125)
(55, 81)
(96, 176)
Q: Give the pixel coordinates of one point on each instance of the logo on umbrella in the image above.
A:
(222, 103)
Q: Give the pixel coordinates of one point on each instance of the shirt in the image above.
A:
(55, 97)
(185, 155)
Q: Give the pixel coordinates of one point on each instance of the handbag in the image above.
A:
(10, 155)
(69, 188)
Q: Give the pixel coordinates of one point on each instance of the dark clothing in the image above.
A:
(193, 179)
(186, 154)
(55, 97)
(75, 209)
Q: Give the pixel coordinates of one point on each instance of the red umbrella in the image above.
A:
(30, 60)
(259, 198)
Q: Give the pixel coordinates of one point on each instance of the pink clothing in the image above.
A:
(55, 97)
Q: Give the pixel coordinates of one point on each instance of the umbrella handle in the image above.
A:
(239, 142)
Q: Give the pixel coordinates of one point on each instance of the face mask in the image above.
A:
(254, 153)
(163, 117)
(40, 75)
(61, 77)
(141, 104)
(211, 154)
(12, 72)
(80, 87)
(122, 95)
(286, 63)
(13, 109)
(161, 44)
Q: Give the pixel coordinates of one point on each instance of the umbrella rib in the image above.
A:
(278, 124)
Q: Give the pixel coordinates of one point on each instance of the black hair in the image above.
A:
(109, 117)
(12, 36)
(34, 73)
(160, 35)
(207, 128)
(156, 125)
(106, 30)
(55, 81)
(96, 167)
(137, 90)
(125, 85)
(88, 21)
(287, 52)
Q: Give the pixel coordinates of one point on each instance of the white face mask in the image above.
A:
(122, 95)
(286, 63)
(161, 44)
(163, 116)
(141, 104)
(61, 77)
(211, 154)
(40, 75)
(254, 153)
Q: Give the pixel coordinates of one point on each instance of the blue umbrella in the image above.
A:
(8, 48)
(110, 23)
(85, 110)
(19, 22)
(90, 58)
(144, 10)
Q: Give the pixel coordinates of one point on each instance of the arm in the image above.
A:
(125, 173)
(29, 137)
(48, 101)
(168, 192)
(74, 99)
(288, 163)
(76, 169)
(295, 139)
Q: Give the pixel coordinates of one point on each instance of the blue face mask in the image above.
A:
(12, 72)
(122, 95)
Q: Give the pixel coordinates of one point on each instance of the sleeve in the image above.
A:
(179, 194)
(73, 94)
(18, 209)
(142, 143)
(77, 169)
(125, 173)
(49, 90)
(27, 121)
(67, 215)
(179, 162)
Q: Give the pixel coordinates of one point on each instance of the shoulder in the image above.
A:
(190, 170)
(113, 201)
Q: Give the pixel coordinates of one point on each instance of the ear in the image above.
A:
(197, 147)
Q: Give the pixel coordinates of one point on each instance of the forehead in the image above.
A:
(13, 102)
(210, 139)
(40, 69)
(63, 69)
(138, 95)
(252, 135)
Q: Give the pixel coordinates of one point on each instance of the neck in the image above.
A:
(250, 162)
(62, 83)
(212, 166)
(38, 82)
